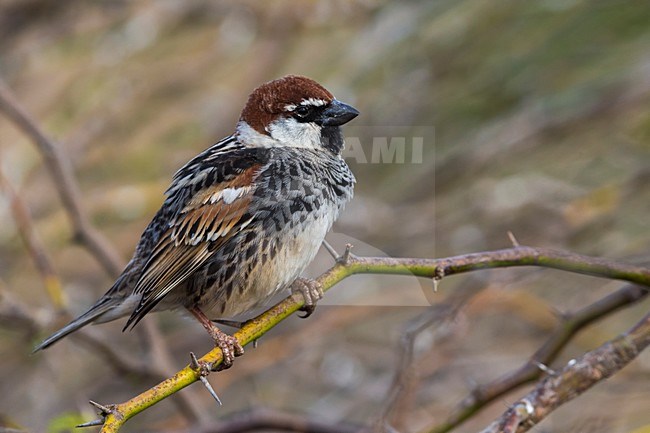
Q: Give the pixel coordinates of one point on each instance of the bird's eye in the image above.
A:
(302, 110)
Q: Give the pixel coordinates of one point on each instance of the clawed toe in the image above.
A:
(230, 348)
(308, 310)
(311, 291)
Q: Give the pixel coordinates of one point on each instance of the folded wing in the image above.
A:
(209, 219)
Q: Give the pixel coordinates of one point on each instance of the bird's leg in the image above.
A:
(228, 344)
(311, 291)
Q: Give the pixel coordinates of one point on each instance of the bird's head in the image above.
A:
(294, 111)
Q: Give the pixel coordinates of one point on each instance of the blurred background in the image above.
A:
(532, 117)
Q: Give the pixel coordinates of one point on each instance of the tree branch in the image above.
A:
(34, 245)
(12, 312)
(571, 324)
(576, 377)
(84, 233)
(404, 378)
(61, 172)
(429, 268)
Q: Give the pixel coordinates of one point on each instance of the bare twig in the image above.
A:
(571, 324)
(513, 239)
(59, 168)
(577, 376)
(52, 282)
(85, 233)
(403, 378)
(34, 245)
(14, 314)
(330, 250)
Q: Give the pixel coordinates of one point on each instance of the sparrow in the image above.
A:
(243, 219)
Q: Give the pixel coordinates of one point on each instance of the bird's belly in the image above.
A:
(272, 269)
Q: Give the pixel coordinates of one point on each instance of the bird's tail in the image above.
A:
(89, 316)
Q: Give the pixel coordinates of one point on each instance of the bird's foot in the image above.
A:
(229, 345)
(311, 291)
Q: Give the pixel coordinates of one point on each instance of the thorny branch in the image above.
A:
(570, 325)
(427, 268)
(577, 377)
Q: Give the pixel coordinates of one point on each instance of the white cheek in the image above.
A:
(290, 132)
(251, 138)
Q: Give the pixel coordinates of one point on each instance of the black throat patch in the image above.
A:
(331, 138)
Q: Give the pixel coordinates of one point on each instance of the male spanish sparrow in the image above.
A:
(241, 220)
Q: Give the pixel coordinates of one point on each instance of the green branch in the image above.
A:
(116, 415)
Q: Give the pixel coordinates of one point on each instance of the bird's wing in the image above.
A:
(206, 221)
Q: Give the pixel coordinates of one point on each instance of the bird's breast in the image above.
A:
(297, 201)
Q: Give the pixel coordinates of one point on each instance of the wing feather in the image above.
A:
(207, 221)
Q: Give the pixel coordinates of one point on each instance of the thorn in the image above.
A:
(204, 381)
(345, 258)
(92, 423)
(438, 275)
(330, 250)
(203, 370)
(194, 362)
(103, 410)
(544, 368)
(513, 239)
